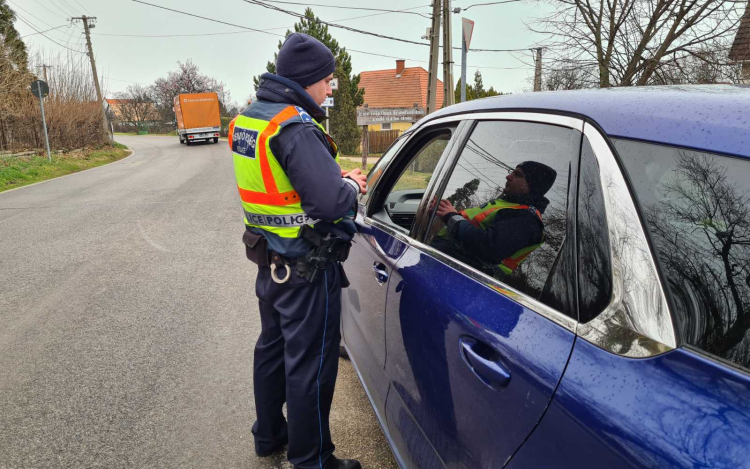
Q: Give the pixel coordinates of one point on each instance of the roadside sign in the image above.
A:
(468, 30)
(369, 115)
(39, 85)
(40, 90)
(334, 83)
(328, 102)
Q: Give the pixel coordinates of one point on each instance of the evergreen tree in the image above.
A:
(475, 91)
(344, 116)
(347, 98)
(12, 49)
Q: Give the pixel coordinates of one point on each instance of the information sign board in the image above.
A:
(369, 115)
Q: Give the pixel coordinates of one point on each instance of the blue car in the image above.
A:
(616, 339)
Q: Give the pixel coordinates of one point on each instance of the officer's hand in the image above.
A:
(361, 179)
(445, 207)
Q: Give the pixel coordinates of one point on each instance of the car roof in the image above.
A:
(712, 118)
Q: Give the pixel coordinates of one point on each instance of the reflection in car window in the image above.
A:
(403, 201)
(594, 262)
(503, 211)
(697, 208)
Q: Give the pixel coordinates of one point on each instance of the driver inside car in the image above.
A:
(502, 233)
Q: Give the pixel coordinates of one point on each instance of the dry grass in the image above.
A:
(73, 114)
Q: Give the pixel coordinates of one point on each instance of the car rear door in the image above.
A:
(475, 357)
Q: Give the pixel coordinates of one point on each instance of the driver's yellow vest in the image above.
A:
(268, 198)
(482, 217)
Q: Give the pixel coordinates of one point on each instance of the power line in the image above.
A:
(333, 25)
(66, 8)
(82, 7)
(64, 14)
(208, 19)
(47, 37)
(459, 10)
(339, 7)
(46, 30)
(37, 18)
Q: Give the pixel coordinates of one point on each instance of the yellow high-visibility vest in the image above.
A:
(482, 217)
(268, 198)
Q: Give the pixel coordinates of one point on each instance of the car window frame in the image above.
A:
(614, 329)
(416, 141)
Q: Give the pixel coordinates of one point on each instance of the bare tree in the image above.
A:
(568, 78)
(701, 68)
(187, 79)
(628, 42)
(135, 106)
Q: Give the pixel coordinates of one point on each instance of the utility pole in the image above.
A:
(434, 51)
(45, 67)
(86, 27)
(85, 20)
(538, 70)
(449, 96)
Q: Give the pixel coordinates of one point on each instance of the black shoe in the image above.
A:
(345, 464)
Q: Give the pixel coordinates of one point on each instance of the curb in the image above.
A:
(132, 153)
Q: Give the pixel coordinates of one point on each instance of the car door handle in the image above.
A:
(484, 362)
(380, 274)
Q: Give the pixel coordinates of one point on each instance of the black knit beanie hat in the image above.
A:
(539, 177)
(304, 59)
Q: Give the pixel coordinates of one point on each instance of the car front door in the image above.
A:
(375, 250)
(474, 356)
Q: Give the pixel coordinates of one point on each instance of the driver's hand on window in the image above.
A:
(445, 207)
(357, 176)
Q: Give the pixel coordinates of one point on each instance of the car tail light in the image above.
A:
(191, 136)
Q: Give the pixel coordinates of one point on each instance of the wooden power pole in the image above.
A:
(538, 70)
(434, 51)
(86, 28)
(449, 95)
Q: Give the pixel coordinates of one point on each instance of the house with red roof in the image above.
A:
(395, 91)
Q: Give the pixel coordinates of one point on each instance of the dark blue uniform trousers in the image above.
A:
(296, 361)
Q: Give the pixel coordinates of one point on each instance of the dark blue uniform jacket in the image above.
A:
(306, 156)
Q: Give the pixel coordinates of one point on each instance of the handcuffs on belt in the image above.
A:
(326, 249)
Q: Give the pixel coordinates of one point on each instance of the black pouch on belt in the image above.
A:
(256, 248)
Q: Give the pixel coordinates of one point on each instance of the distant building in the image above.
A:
(740, 51)
(395, 91)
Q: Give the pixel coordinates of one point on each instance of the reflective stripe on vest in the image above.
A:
(268, 198)
(482, 217)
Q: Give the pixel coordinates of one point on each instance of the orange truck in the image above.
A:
(197, 116)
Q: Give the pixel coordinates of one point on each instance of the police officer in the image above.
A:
(296, 200)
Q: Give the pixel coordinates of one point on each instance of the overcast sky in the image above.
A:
(122, 58)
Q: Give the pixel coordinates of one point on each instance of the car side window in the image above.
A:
(696, 206)
(409, 177)
(504, 209)
(374, 175)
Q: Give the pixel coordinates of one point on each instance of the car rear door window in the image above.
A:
(513, 236)
(696, 206)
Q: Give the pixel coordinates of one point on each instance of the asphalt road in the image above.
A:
(129, 319)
